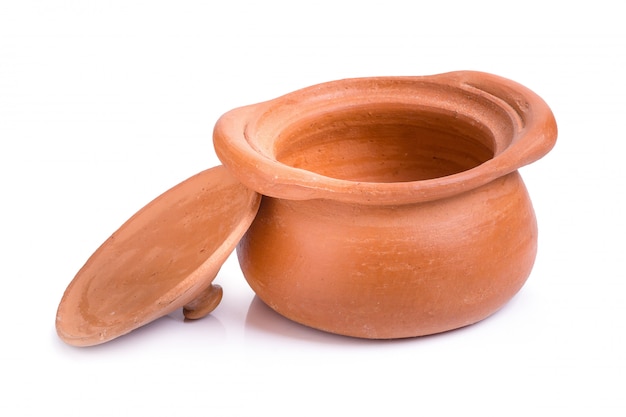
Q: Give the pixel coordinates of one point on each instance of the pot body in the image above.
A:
(392, 206)
(392, 271)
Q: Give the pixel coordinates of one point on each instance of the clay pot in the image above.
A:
(392, 207)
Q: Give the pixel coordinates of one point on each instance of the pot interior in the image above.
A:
(384, 143)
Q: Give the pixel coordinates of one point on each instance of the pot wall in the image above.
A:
(392, 271)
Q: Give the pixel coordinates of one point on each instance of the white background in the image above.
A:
(104, 105)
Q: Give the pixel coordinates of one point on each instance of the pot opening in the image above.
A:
(385, 143)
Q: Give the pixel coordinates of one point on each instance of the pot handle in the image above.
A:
(535, 123)
(253, 168)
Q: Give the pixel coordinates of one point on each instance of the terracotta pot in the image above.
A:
(392, 206)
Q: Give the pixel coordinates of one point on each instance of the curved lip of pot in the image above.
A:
(519, 124)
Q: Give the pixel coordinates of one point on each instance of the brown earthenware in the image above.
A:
(392, 206)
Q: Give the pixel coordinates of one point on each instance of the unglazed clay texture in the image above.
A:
(392, 206)
(388, 207)
(163, 258)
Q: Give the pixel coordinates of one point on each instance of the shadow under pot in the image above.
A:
(392, 207)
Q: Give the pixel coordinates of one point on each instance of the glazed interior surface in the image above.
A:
(384, 143)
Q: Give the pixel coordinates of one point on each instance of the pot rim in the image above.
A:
(521, 124)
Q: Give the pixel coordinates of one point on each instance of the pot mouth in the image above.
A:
(386, 140)
(382, 143)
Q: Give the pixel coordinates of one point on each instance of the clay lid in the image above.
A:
(163, 258)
